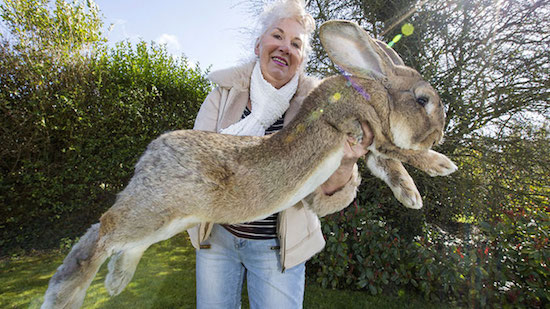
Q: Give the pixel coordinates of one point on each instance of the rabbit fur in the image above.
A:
(186, 177)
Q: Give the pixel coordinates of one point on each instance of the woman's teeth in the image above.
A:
(280, 61)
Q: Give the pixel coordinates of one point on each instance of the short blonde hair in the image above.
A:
(294, 9)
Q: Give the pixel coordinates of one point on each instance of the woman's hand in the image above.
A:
(353, 150)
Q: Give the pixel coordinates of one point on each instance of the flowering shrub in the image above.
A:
(503, 262)
(520, 256)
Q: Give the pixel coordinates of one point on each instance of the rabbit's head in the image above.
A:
(416, 114)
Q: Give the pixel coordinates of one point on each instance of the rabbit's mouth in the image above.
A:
(405, 138)
(433, 138)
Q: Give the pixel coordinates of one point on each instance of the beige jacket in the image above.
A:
(298, 229)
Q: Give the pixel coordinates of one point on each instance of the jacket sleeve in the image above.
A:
(323, 204)
(207, 118)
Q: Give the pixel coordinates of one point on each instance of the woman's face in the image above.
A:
(281, 50)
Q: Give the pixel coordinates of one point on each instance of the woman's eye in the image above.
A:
(422, 100)
(277, 36)
(296, 45)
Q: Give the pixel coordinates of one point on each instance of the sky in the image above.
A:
(210, 32)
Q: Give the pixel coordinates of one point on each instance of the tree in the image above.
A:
(61, 26)
(489, 61)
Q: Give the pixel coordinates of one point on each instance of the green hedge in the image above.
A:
(73, 128)
(502, 263)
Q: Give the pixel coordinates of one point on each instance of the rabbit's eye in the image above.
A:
(422, 100)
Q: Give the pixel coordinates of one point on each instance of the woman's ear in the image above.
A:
(257, 47)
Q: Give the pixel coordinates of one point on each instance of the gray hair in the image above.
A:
(294, 9)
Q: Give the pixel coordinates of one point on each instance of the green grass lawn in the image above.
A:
(165, 278)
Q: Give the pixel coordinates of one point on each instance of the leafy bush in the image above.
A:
(73, 127)
(502, 263)
(520, 255)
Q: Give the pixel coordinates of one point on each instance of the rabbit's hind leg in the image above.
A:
(67, 288)
(123, 263)
(122, 267)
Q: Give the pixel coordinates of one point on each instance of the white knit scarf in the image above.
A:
(268, 105)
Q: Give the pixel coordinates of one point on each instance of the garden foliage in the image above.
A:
(75, 116)
(504, 263)
(481, 238)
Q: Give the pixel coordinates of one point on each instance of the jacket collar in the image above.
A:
(235, 77)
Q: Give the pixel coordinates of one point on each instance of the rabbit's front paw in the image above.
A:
(397, 177)
(408, 195)
(438, 164)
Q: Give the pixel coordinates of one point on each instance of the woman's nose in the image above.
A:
(285, 47)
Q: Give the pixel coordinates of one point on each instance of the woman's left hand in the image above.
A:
(353, 150)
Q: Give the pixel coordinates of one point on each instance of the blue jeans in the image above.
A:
(221, 270)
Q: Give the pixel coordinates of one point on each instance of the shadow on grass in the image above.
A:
(24, 280)
(165, 278)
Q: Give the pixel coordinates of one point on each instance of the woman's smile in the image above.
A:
(280, 61)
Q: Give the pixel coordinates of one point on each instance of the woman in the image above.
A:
(259, 98)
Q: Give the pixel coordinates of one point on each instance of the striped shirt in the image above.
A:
(265, 228)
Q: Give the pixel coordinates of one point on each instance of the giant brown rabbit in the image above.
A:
(186, 177)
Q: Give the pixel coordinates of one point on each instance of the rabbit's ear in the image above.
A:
(350, 47)
(390, 52)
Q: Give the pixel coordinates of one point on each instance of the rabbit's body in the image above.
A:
(188, 177)
(243, 179)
